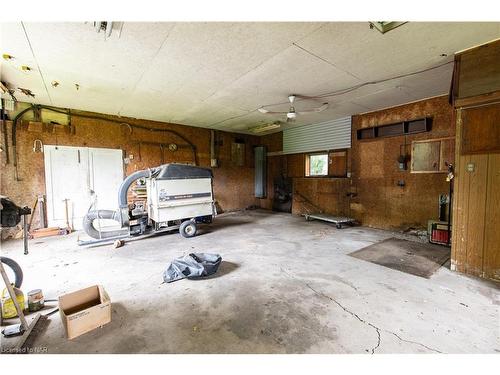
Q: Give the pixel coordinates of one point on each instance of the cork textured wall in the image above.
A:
(233, 185)
(377, 199)
(326, 194)
(380, 202)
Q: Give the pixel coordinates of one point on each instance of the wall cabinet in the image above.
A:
(431, 156)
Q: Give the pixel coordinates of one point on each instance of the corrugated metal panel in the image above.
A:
(328, 135)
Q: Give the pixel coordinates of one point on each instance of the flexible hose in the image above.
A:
(123, 189)
(88, 224)
(120, 216)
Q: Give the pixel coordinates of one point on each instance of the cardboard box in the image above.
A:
(84, 310)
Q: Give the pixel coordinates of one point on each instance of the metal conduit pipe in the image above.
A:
(97, 117)
(68, 112)
(14, 138)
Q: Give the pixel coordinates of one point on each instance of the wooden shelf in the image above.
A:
(396, 129)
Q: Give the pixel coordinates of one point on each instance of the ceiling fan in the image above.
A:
(291, 115)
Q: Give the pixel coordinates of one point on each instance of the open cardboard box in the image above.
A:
(84, 310)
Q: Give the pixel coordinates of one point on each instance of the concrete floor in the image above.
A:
(286, 286)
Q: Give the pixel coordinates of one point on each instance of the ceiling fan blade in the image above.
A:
(306, 97)
(266, 112)
(314, 110)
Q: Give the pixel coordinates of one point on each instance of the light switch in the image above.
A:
(470, 167)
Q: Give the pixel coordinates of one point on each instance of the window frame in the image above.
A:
(307, 166)
(306, 161)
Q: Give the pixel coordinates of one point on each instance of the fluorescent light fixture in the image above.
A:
(106, 26)
(385, 26)
(265, 128)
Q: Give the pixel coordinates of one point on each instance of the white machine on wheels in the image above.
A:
(180, 193)
(178, 197)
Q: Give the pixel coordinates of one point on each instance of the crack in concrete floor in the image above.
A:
(297, 319)
(377, 329)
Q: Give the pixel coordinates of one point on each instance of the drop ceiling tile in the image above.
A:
(291, 71)
(347, 109)
(199, 58)
(388, 98)
(204, 73)
(74, 52)
(28, 80)
(428, 84)
(204, 116)
(155, 105)
(13, 42)
(368, 54)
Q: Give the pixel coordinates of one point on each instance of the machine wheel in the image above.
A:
(338, 225)
(16, 268)
(188, 229)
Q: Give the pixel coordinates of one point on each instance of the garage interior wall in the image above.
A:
(380, 202)
(372, 164)
(476, 96)
(476, 235)
(377, 200)
(233, 184)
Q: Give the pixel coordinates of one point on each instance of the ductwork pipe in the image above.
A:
(123, 190)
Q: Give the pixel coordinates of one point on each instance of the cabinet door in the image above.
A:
(433, 155)
(481, 130)
(425, 157)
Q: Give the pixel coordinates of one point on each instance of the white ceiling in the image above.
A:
(216, 75)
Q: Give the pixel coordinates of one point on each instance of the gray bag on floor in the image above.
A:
(192, 266)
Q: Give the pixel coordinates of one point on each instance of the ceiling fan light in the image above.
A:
(291, 115)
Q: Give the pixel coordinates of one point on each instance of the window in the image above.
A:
(317, 164)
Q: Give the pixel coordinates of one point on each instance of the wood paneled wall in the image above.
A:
(476, 210)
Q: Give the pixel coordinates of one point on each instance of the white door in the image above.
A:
(106, 176)
(74, 174)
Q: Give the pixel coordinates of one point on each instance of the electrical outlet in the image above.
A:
(471, 167)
